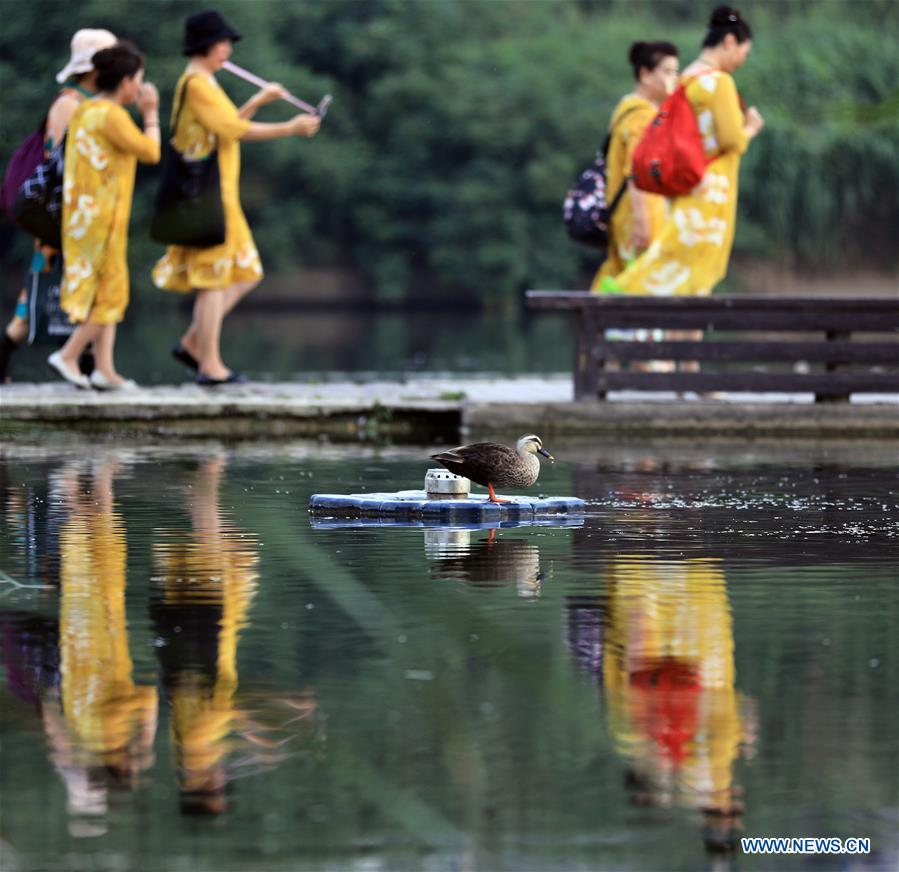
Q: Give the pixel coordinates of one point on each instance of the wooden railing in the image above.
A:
(829, 347)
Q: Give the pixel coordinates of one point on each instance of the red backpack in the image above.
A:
(669, 159)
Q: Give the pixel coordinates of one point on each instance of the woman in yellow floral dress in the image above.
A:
(638, 216)
(79, 80)
(103, 721)
(669, 683)
(206, 583)
(221, 274)
(690, 254)
(102, 151)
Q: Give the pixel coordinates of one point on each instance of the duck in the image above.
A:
(493, 464)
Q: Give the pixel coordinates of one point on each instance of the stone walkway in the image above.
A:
(437, 403)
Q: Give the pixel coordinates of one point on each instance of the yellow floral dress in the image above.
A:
(209, 120)
(690, 254)
(104, 709)
(102, 151)
(629, 120)
(669, 678)
(214, 580)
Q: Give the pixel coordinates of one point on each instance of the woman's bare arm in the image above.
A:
(299, 125)
(59, 116)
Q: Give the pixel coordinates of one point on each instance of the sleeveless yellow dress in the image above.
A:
(629, 120)
(210, 120)
(690, 255)
(102, 150)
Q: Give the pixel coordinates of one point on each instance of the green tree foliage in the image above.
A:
(458, 125)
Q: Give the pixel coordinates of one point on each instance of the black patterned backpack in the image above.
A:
(38, 206)
(586, 211)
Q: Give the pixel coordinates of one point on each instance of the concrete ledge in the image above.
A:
(240, 411)
(431, 409)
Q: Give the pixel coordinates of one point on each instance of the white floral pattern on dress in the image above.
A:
(706, 122)
(201, 142)
(714, 188)
(76, 271)
(709, 81)
(91, 149)
(664, 281)
(83, 216)
(162, 272)
(248, 258)
(693, 229)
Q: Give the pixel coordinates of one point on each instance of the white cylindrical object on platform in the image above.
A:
(442, 481)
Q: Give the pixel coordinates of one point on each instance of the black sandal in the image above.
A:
(235, 378)
(183, 356)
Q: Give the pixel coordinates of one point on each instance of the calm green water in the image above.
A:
(197, 678)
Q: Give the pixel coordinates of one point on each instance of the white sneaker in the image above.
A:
(101, 383)
(59, 366)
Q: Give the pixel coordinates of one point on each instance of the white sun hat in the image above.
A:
(85, 44)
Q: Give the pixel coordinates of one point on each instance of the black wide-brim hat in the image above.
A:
(205, 29)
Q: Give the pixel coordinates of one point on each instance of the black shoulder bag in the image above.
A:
(188, 208)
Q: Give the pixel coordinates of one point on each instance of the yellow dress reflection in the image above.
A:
(103, 720)
(206, 583)
(668, 673)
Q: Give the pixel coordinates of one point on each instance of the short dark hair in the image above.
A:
(115, 63)
(648, 55)
(725, 20)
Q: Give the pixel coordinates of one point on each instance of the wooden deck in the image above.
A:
(832, 347)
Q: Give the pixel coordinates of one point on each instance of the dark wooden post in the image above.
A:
(586, 362)
(831, 366)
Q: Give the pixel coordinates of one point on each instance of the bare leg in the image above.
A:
(686, 336)
(231, 296)
(208, 315)
(17, 329)
(15, 334)
(82, 337)
(104, 346)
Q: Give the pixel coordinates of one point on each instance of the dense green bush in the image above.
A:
(458, 125)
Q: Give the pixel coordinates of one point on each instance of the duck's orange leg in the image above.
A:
(493, 497)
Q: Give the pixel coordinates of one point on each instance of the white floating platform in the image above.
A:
(416, 507)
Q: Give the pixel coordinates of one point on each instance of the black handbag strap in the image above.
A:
(613, 205)
(173, 130)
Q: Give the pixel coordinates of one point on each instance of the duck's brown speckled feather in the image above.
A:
(493, 463)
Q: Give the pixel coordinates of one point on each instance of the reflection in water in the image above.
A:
(460, 734)
(33, 515)
(99, 723)
(492, 562)
(661, 645)
(204, 584)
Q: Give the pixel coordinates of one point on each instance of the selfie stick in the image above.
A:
(320, 110)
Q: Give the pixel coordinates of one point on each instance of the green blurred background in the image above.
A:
(458, 125)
